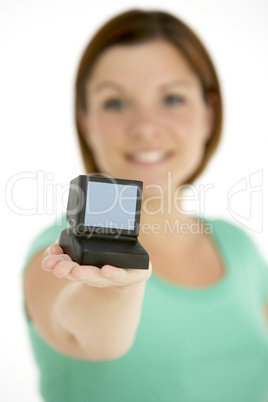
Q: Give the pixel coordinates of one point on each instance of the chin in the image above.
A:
(156, 187)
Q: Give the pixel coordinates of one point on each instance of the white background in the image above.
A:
(40, 45)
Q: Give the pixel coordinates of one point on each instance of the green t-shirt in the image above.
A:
(192, 345)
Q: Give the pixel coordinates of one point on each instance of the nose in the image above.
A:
(145, 125)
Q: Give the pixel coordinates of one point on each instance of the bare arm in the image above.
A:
(104, 320)
(82, 311)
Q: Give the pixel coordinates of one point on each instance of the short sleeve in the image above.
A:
(256, 265)
(259, 269)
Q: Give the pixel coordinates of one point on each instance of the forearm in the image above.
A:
(102, 320)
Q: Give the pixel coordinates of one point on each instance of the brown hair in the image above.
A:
(139, 26)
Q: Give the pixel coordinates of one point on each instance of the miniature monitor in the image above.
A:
(104, 216)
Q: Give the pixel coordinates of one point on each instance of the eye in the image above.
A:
(173, 100)
(114, 104)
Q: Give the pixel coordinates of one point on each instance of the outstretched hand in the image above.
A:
(62, 266)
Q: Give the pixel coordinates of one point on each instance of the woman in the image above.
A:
(192, 327)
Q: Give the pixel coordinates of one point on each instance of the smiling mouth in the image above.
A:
(149, 157)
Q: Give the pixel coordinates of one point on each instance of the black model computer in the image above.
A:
(104, 218)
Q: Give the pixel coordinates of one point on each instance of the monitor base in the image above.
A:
(99, 251)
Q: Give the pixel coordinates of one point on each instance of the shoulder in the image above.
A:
(235, 241)
(229, 231)
(223, 225)
(242, 249)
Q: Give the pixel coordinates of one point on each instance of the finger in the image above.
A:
(126, 275)
(63, 268)
(89, 272)
(120, 276)
(46, 252)
(49, 262)
(108, 271)
(54, 249)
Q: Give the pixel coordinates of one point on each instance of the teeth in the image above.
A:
(148, 157)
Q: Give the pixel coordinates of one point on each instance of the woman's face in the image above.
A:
(146, 115)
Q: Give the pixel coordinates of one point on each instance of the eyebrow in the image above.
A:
(176, 83)
(107, 84)
(118, 87)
